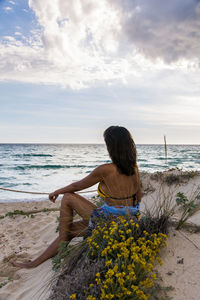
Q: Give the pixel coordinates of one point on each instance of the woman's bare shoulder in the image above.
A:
(106, 168)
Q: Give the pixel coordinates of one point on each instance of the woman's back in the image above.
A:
(117, 185)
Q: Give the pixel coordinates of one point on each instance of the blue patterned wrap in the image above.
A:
(106, 211)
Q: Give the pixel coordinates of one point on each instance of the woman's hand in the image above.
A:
(53, 196)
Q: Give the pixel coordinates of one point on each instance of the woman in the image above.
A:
(119, 184)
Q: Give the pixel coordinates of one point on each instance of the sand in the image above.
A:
(181, 265)
(25, 238)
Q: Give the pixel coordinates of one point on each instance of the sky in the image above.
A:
(69, 69)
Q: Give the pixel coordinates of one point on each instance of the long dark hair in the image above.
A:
(121, 148)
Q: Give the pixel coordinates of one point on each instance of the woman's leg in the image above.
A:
(68, 229)
(73, 202)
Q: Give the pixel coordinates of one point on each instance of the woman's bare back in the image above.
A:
(118, 185)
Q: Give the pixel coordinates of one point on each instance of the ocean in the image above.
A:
(47, 167)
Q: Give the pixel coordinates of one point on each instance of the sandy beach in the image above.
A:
(25, 238)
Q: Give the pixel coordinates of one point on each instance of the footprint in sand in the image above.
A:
(7, 269)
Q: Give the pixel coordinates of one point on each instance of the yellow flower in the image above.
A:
(147, 283)
(98, 281)
(90, 298)
(109, 296)
(120, 295)
(105, 286)
(121, 280)
(141, 295)
(108, 262)
(159, 261)
(115, 269)
(134, 288)
(153, 276)
(122, 237)
(73, 296)
(110, 273)
(109, 281)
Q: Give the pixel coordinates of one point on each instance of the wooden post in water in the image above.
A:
(165, 142)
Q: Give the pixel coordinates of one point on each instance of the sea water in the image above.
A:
(47, 167)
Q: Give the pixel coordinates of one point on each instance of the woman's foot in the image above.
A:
(27, 265)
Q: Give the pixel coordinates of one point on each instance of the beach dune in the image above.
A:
(24, 238)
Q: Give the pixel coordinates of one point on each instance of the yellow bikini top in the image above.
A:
(104, 195)
(101, 192)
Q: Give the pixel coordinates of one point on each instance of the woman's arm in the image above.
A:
(94, 177)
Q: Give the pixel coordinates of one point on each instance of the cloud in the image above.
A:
(7, 8)
(162, 29)
(18, 33)
(73, 48)
(82, 42)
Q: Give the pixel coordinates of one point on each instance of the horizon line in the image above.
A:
(71, 143)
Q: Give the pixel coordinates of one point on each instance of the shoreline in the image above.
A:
(143, 174)
(25, 238)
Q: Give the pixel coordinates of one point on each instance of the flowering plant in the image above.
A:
(129, 253)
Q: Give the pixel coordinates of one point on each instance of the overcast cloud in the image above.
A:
(80, 42)
(169, 30)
